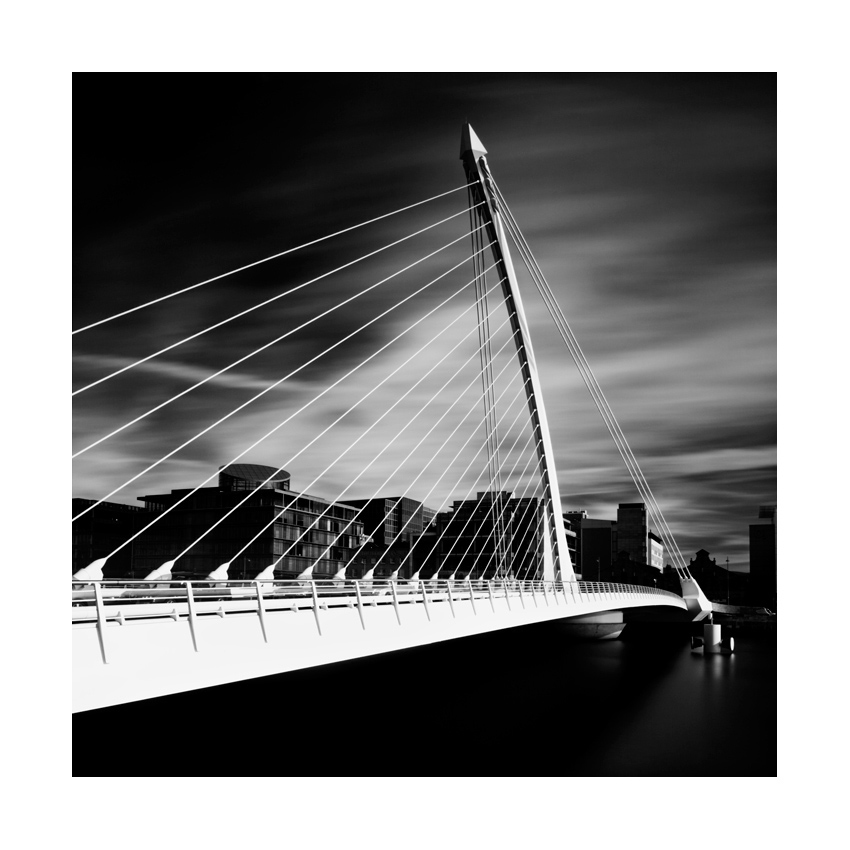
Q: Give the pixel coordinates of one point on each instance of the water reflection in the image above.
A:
(519, 702)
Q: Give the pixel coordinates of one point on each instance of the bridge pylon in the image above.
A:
(556, 558)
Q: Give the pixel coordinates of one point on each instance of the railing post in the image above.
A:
(395, 602)
(315, 605)
(424, 599)
(101, 620)
(451, 601)
(471, 598)
(190, 600)
(359, 603)
(490, 589)
(507, 595)
(261, 611)
(521, 597)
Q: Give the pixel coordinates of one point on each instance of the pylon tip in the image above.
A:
(470, 142)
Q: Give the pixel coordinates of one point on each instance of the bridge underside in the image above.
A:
(175, 648)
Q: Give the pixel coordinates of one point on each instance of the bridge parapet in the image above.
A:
(100, 602)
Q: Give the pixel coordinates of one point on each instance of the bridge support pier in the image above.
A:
(712, 642)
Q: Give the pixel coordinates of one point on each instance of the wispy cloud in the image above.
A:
(648, 201)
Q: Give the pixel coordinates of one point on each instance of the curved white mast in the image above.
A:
(556, 558)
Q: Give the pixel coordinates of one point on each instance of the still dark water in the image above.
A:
(520, 702)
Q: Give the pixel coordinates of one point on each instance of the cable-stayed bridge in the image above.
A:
(435, 399)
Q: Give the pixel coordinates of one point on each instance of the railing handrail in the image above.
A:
(83, 590)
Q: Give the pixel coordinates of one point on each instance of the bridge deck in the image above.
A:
(133, 641)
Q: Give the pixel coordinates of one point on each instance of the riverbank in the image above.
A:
(744, 619)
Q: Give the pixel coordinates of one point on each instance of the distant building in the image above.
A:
(656, 551)
(395, 520)
(710, 577)
(101, 530)
(575, 519)
(598, 544)
(669, 580)
(626, 571)
(632, 531)
(527, 525)
(293, 529)
(491, 536)
(428, 517)
(384, 561)
(394, 527)
(763, 558)
(572, 544)
(250, 476)
(718, 584)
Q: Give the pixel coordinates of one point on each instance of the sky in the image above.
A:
(649, 201)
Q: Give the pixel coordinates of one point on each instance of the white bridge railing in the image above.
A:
(122, 601)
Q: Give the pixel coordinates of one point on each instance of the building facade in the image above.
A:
(717, 582)
(494, 535)
(632, 531)
(763, 558)
(394, 528)
(656, 551)
(393, 520)
(598, 548)
(575, 519)
(572, 544)
(294, 531)
(101, 530)
(599, 543)
(626, 571)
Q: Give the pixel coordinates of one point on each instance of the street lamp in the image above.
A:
(727, 580)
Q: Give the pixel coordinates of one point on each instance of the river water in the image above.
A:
(526, 701)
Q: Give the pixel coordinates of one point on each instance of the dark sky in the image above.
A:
(649, 201)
